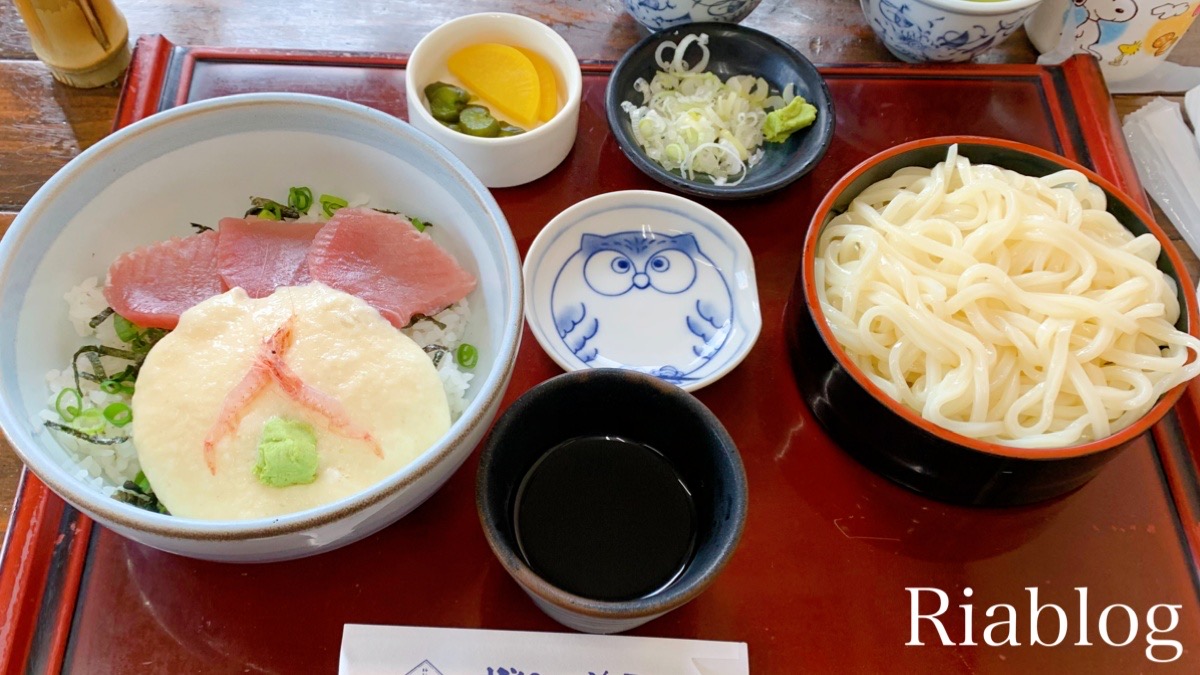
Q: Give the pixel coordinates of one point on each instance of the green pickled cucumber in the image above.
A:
(477, 120)
(446, 101)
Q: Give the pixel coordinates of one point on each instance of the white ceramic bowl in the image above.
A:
(513, 160)
(944, 30)
(658, 15)
(198, 163)
(645, 281)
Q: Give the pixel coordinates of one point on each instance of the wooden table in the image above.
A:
(44, 124)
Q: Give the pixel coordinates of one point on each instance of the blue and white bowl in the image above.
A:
(644, 281)
(662, 14)
(199, 162)
(944, 30)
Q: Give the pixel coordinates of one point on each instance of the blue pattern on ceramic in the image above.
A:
(75, 225)
(666, 277)
(660, 14)
(915, 31)
(645, 281)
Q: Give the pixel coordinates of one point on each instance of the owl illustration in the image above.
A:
(644, 301)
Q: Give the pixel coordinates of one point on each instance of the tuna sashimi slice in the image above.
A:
(384, 260)
(152, 285)
(262, 255)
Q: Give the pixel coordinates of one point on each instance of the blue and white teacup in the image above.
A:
(944, 30)
(662, 14)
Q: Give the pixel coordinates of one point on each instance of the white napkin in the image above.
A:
(404, 650)
(1167, 156)
(1166, 78)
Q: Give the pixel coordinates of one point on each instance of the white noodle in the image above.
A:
(1003, 307)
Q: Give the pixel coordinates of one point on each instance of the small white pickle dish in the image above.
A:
(510, 160)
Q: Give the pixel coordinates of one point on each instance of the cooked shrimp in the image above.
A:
(269, 365)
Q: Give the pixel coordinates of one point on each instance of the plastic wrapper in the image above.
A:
(1167, 155)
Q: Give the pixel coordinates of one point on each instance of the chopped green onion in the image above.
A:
(65, 410)
(330, 203)
(117, 386)
(419, 224)
(467, 355)
(127, 375)
(89, 421)
(300, 198)
(142, 482)
(93, 353)
(271, 211)
(118, 414)
(125, 328)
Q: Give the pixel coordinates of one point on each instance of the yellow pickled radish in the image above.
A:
(548, 103)
(503, 77)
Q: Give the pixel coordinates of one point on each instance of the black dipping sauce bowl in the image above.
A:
(638, 408)
(897, 442)
(733, 50)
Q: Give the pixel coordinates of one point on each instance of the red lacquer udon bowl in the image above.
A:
(896, 441)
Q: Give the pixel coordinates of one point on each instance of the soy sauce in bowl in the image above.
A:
(612, 497)
(605, 518)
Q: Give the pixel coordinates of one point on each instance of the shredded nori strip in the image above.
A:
(93, 354)
(90, 438)
(131, 493)
(146, 339)
(99, 318)
(259, 203)
(425, 317)
(201, 228)
(436, 353)
(129, 374)
(416, 222)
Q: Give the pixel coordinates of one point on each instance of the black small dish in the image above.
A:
(642, 409)
(735, 50)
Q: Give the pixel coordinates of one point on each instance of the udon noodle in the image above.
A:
(1003, 307)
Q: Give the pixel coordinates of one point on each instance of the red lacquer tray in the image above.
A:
(819, 581)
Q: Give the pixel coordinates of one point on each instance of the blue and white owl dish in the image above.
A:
(645, 281)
